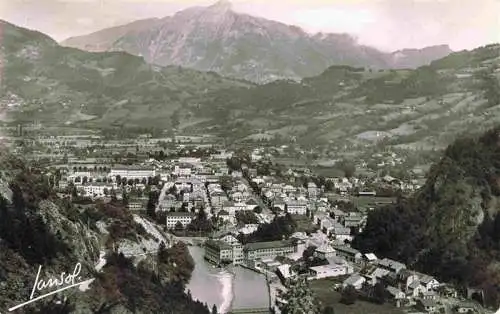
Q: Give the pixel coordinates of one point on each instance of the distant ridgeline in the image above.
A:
(451, 227)
(38, 228)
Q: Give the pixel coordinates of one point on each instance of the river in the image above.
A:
(231, 288)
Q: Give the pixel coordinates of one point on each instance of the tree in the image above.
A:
(214, 309)
(226, 183)
(328, 310)
(379, 293)
(300, 299)
(151, 206)
(178, 226)
(349, 295)
(348, 168)
(175, 119)
(124, 197)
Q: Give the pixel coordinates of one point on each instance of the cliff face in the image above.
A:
(450, 228)
(39, 229)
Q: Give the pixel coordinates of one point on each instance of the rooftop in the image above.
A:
(267, 245)
(217, 245)
(180, 214)
(346, 249)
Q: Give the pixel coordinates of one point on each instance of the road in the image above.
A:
(265, 209)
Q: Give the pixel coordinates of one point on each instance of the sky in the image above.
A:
(388, 25)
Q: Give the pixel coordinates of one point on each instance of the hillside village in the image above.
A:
(285, 222)
(281, 179)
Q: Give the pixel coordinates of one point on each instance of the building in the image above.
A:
(137, 203)
(97, 189)
(354, 280)
(347, 252)
(429, 306)
(312, 190)
(325, 251)
(132, 172)
(220, 252)
(330, 270)
(296, 207)
(173, 218)
(266, 250)
(391, 265)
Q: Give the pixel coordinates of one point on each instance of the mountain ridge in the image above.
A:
(216, 38)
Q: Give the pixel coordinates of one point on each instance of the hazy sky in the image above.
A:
(385, 24)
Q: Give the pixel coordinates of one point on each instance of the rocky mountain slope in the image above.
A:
(342, 109)
(56, 85)
(352, 109)
(215, 38)
(450, 228)
(39, 228)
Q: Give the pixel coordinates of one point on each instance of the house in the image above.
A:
(137, 203)
(97, 189)
(350, 254)
(354, 280)
(173, 218)
(465, 307)
(429, 306)
(325, 251)
(341, 233)
(312, 190)
(395, 293)
(296, 207)
(370, 258)
(391, 265)
(330, 270)
(430, 283)
(415, 289)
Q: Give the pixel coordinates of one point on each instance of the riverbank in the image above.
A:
(232, 288)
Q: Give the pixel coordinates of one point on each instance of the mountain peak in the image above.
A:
(221, 5)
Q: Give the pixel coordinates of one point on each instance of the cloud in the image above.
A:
(337, 20)
(85, 21)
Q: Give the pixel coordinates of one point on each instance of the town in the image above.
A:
(243, 210)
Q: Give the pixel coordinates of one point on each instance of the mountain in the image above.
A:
(413, 58)
(451, 227)
(104, 40)
(352, 109)
(344, 109)
(215, 38)
(56, 85)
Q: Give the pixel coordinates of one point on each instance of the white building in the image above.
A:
(174, 217)
(330, 270)
(132, 172)
(296, 207)
(96, 190)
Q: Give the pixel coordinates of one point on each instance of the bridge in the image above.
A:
(251, 311)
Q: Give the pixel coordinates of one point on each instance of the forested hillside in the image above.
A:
(451, 227)
(39, 228)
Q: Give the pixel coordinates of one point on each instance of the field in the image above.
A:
(323, 289)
